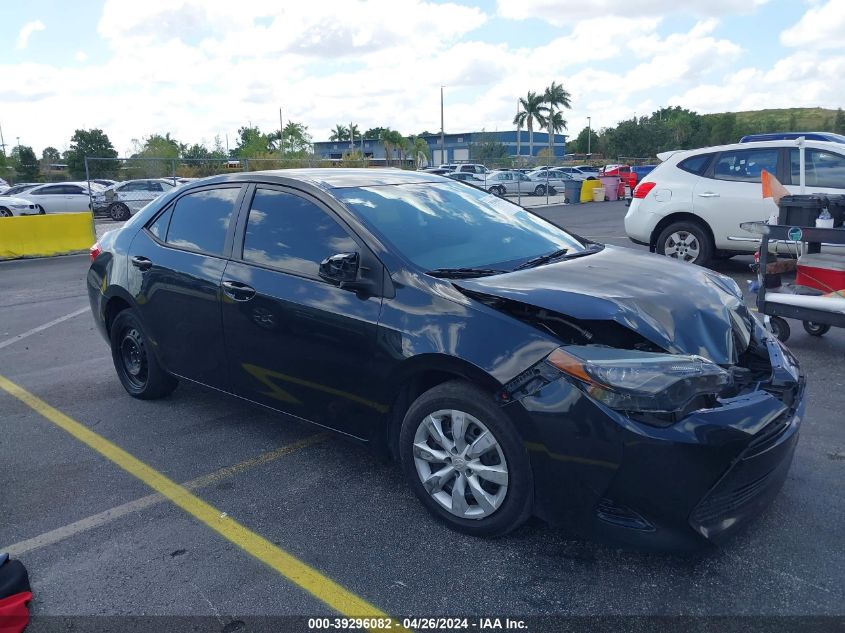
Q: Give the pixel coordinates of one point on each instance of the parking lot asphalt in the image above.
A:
(95, 543)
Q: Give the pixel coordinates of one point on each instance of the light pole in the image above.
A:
(442, 134)
(589, 135)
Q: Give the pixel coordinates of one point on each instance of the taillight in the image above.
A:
(94, 251)
(642, 189)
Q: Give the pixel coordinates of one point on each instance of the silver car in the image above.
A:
(128, 197)
(9, 206)
(504, 182)
(555, 179)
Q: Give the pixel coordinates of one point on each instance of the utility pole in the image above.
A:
(351, 138)
(589, 136)
(281, 134)
(2, 142)
(442, 133)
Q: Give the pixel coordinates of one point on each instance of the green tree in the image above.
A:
(839, 122)
(158, 146)
(557, 97)
(531, 110)
(251, 142)
(580, 146)
(375, 132)
(354, 133)
(420, 151)
(50, 155)
(91, 143)
(26, 164)
(295, 139)
(197, 151)
(391, 139)
(722, 129)
(339, 133)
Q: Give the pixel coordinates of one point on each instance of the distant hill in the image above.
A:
(785, 120)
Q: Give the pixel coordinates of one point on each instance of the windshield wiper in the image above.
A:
(458, 273)
(543, 259)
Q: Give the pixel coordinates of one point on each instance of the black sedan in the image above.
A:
(512, 368)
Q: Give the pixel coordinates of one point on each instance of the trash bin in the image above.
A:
(800, 210)
(587, 190)
(611, 186)
(572, 191)
(598, 194)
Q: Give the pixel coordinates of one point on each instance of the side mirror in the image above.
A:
(343, 269)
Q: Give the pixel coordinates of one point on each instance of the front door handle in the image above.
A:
(141, 263)
(709, 194)
(238, 291)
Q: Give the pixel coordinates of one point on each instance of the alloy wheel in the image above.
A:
(5, 213)
(682, 245)
(460, 464)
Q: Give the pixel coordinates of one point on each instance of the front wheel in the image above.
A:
(539, 190)
(687, 242)
(5, 213)
(780, 328)
(41, 210)
(465, 461)
(137, 367)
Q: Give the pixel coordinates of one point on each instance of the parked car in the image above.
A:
(61, 197)
(10, 206)
(509, 181)
(641, 171)
(106, 182)
(437, 171)
(785, 136)
(624, 172)
(691, 206)
(572, 172)
(467, 177)
(511, 367)
(125, 198)
(19, 188)
(472, 168)
(555, 179)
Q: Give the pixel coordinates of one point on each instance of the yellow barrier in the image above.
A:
(587, 189)
(51, 234)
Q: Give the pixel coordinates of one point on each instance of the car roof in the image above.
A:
(326, 178)
(679, 153)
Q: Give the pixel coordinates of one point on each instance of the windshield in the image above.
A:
(449, 225)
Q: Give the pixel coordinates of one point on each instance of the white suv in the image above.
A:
(690, 207)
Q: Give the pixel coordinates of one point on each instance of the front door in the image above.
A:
(175, 268)
(294, 341)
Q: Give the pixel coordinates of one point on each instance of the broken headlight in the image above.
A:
(643, 382)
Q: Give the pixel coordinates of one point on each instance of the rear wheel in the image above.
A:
(137, 367)
(816, 329)
(685, 241)
(5, 213)
(119, 211)
(40, 209)
(465, 461)
(540, 190)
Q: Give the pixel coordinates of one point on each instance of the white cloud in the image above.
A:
(26, 32)
(822, 26)
(565, 12)
(81, 56)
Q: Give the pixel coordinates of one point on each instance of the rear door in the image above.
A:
(730, 193)
(76, 198)
(50, 197)
(296, 342)
(176, 263)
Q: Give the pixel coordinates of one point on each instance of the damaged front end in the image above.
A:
(679, 425)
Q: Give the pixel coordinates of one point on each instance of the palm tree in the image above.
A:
(419, 150)
(353, 134)
(339, 133)
(532, 110)
(556, 96)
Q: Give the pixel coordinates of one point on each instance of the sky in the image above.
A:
(200, 68)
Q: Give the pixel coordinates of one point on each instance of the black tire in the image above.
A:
(5, 213)
(518, 500)
(41, 210)
(119, 211)
(494, 190)
(780, 328)
(540, 190)
(816, 329)
(695, 236)
(137, 366)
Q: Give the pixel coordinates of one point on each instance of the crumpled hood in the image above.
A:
(685, 309)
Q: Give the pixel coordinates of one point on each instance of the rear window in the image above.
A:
(745, 165)
(696, 164)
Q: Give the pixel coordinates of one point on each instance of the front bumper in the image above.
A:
(700, 480)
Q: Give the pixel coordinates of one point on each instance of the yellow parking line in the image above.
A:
(301, 574)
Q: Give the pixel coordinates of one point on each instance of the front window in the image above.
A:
(447, 225)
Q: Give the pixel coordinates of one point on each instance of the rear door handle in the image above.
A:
(141, 263)
(238, 291)
(709, 194)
